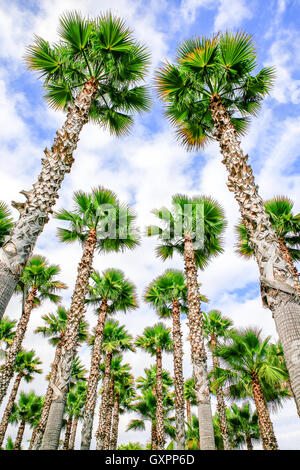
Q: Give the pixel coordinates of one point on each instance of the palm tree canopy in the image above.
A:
(155, 338)
(99, 210)
(200, 216)
(131, 446)
(115, 338)
(284, 222)
(76, 399)
(189, 391)
(149, 381)
(215, 324)
(161, 293)
(6, 222)
(28, 363)
(101, 49)
(78, 372)
(241, 421)
(112, 285)
(7, 333)
(28, 408)
(206, 68)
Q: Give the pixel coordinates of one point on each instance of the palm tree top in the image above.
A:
(149, 381)
(115, 338)
(155, 338)
(221, 67)
(28, 363)
(216, 324)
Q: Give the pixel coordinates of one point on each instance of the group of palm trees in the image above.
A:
(93, 73)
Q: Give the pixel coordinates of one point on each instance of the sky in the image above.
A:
(148, 166)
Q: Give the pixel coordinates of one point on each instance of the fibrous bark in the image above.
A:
(20, 434)
(198, 354)
(91, 396)
(64, 369)
(178, 377)
(153, 436)
(248, 442)
(68, 433)
(115, 425)
(109, 414)
(9, 406)
(160, 436)
(73, 433)
(100, 435)
(34, 213)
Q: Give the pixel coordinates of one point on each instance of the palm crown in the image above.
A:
(206, 68)
(116, 338)
(161, 293)
(155, 338)
(28, 363)
(101, 49)
(215, 324)
(150, 379)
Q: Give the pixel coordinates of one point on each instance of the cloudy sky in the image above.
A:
(149, 166)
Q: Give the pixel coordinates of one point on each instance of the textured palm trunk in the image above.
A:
(287, 256)
(178, 377)
(64, 369)
(221, 407)
(34, 213)
(109, 414)
(91, 396)
(100, 435)
(188, 412)
(7, 370)
(279, 283)
(48, 398)
(68, 433)
(293, 395)
(248, 442)
(20, 434)
(160, 437)
(73, 433)
(153, 436)
(9, 406)
(198, 354)
(115, 426)
(32, 438)
(265, 424)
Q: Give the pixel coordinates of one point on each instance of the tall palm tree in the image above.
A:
(193, 229)
(35, 419)
(116, 339)
(210, 93)
(215, 326)
(92, 73)
(168, 295)
(243, 424)
(53, 329)
(39, 276)
(248, 367)
(110, 292)
(23, 412)
(156, 340)
(190, 397)
(74, 407)
(26, 366)
(123, 396)
(100, 223)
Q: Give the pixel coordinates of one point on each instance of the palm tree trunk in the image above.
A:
(73, 433)
(48, 398)
(188, 412)
(248, 442)
(265, 424)
(109, 412)
(153, 436)
(160, 437)
(287, 256)
(221, 407)
(100, 435)
(198, 354)
(280, 286)
(7, 370)
(20, 434)
(115, 426)
(34, 213)
(64, 369)
(293, 395)
(7, 412)
(178, 377)
(68, 433)
(32, 438)
(91, 396)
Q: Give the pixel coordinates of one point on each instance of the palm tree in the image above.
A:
(123, 396)
(110, 292)
(243, 424)
(249, 369)
(100, 223)
(210, 93)
(26, 366)
(54, 328)
(215, 326)
(150, 380)
(192, 434)
(74, 407)
(190, 397)
(39, 277)
(115, 340)
(7, 333)
(156, 340)
(92, 73)
(35, 418)
(193, 229)
(168, 295)
(23, 412)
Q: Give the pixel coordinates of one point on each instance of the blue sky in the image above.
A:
(148, 166)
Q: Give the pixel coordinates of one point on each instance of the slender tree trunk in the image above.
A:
(7, 412)
(221, 407)
(265, 424)
(20, 434)
(115, 426)
(198, 354)
(178, 377)
(248, 442)
(48, 398)
(91, 396)
(188, 412)
(109, 412)
(7, 370)
(32, 438)
(153, 436)
(280, 287)
(64, 369)
(100, 435)
(34, 213)
(68, 433)
(160, 435)
(73, 433)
